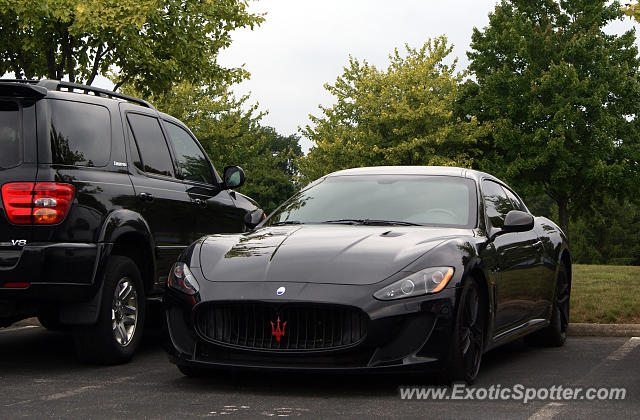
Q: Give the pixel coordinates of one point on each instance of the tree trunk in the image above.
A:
(50, 55)
(563, 215)
(96, 64)
(68, 53)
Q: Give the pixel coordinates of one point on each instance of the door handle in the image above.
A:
(145, 196)
(200, 203)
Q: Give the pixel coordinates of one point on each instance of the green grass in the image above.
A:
(605, 294)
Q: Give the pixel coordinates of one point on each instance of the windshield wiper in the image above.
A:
(346, 221)
(372, 222)
(389, 222)
(287, 222)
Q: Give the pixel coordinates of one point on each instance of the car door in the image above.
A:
(215, 209)
(518, 257)
(544, 277)
(162, 198)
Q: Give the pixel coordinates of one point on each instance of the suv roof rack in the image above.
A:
(72, 87)
(30, 81)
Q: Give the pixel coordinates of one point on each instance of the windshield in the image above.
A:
(383, 199)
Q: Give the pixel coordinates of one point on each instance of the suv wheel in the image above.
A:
(122, 311)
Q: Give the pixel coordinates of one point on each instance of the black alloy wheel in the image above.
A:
(468, 339)
(555, 334)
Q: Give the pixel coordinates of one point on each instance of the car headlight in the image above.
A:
(181, 279)
(430, 280)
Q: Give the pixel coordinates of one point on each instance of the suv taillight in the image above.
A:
(41, 203)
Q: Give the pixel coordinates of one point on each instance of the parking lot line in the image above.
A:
(553, 409)
(548, 411)
(625, 349)
(80, 390)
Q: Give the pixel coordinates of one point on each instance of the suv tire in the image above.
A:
(117, 334)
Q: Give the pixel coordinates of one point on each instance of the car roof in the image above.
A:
(58, 89)
(416, 170)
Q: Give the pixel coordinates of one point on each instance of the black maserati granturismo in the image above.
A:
(382, 268)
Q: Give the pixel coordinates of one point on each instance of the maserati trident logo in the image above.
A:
(275, 329)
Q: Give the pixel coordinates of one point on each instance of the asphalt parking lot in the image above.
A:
(41, 378)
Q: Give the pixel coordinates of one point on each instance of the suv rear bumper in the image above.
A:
(60, 272)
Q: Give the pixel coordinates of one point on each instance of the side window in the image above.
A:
(135, 153)
(496, 202)
(516, 203)
(193, 163)
(10, 129)
(152, 146)
(80, 134)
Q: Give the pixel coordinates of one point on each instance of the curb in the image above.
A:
(29, 322)
(604, 330)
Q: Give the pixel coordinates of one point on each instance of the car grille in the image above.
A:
(309, 327)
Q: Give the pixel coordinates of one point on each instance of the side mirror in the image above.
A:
(517, 221)
(233, 177)
(253, 218)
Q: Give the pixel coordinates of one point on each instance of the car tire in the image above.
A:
(117, 334)
(467, 341)
(555, 334)
(48, 317)
(192, 371)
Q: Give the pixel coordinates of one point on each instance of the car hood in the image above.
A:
(338, 254)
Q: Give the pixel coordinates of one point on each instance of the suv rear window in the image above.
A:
(80, 134)
(10, 138)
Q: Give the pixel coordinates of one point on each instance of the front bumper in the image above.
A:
(408, 333)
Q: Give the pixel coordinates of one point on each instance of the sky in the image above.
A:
(304, 44)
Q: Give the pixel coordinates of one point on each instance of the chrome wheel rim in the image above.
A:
(471, 333)
(124, 311)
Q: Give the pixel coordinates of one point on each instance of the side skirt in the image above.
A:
(517, 332)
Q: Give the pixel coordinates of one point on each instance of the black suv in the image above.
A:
(100, 195)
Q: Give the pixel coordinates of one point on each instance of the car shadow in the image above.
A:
(268, 383)
(34, 351)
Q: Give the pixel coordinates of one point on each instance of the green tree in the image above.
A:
(614, 229)
(632, 10)
(150, 44)
(401, 116)
(562, 97)
(230, 130)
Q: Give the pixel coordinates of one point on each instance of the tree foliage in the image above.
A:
(632, 10)
(563, 98)
(399, 116)
(231, 132)
(609, 235)
(150, 44)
